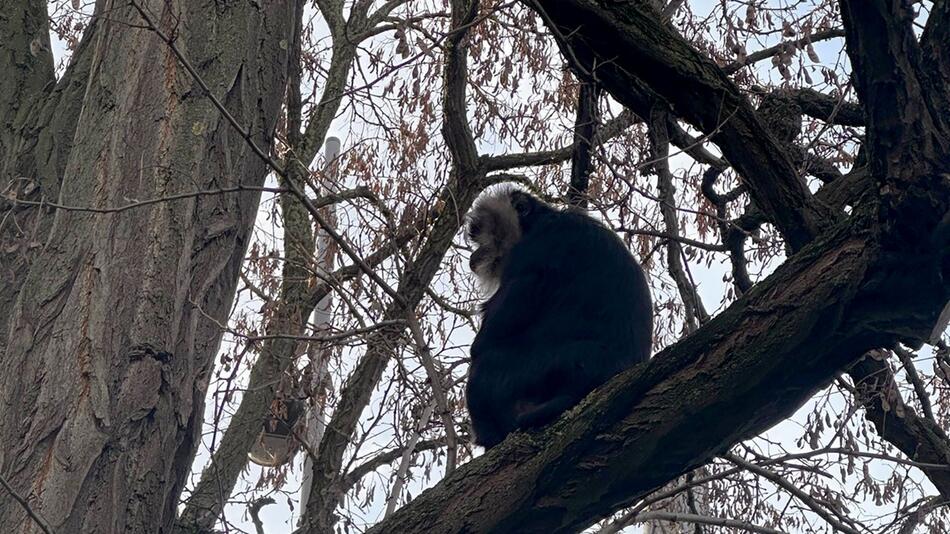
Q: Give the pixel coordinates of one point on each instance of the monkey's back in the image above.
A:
(581, 284)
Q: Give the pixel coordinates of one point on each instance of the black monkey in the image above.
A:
(571, 308)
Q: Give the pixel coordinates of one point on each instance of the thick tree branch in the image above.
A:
(590, 34)
(886, 59)
(833, 110)
(29, 126)
(609, 130)
(455, 128)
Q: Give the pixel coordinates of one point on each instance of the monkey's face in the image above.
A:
(494, 228)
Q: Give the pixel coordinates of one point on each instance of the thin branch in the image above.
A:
(773, 50)
(143, 203)
(327, 338)
(669, 492)
(907, 362)
(467, 313)
(254, 510)
(34, 516)
(918, 438)
(712, 247)
(703, 520)
(403, 469)
(660, 145)
(815, 506)
(732, 234)
(436, 377)
(379, 460)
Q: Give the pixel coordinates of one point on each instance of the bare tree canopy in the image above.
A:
(236, 298)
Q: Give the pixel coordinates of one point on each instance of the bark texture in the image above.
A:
(112, 316)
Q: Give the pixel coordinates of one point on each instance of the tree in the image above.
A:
(133, 179)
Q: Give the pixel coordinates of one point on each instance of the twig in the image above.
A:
(44, 526)
(772, 50)
(436, 376)
(815, 506)
(703, 520)
(254, 509)
(141, 203)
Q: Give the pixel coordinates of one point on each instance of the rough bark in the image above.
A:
(112, 335)
(37, 124)
(294, 305)
(27, 64)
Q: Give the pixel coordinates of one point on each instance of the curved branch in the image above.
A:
(590, 34)
(772, 50)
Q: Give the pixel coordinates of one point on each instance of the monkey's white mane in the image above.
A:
(499, 231)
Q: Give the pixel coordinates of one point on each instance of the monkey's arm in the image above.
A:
(512, 309)
(489, 401)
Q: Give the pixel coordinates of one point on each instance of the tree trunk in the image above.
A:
(113, 318)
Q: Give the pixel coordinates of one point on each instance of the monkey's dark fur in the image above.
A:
(571, 308)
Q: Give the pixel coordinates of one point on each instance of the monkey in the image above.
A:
(568, 308)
